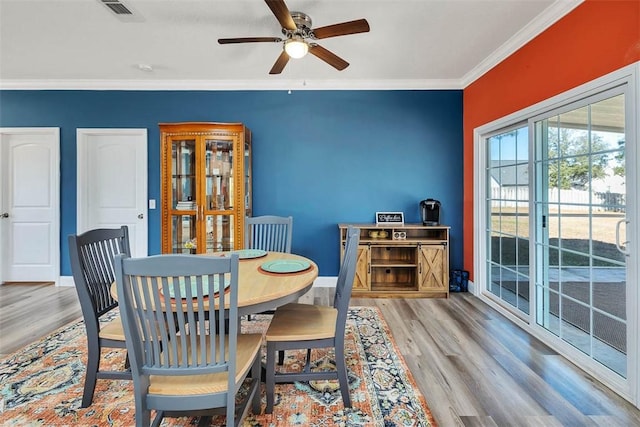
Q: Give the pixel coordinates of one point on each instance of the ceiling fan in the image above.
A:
(299, 37)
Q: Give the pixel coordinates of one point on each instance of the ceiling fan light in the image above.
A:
(296, 47)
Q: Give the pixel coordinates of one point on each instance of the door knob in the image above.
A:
(140, 216)
(5, 215)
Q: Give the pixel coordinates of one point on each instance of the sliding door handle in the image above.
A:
(622, 247)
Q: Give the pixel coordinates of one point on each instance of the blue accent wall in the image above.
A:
(324, 157)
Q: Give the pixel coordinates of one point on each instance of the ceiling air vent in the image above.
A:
(122, 12)
(117, 7)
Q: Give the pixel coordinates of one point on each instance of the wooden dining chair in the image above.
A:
(308, 326)
(91, 255)
(181, 364)
(270, 233)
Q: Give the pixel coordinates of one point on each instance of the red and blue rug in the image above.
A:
(41, 385)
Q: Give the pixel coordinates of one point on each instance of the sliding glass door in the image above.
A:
(580, 217)
(557, 242)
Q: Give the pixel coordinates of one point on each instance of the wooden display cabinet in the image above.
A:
(409, 260)
(206, 186)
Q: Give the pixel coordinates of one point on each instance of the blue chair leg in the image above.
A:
(91, 374)
(270, 383)
(343, 377)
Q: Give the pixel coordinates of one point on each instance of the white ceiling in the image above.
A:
(413, 44)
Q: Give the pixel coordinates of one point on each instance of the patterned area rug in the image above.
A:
(42, 384)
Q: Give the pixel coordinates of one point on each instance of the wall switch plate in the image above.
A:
(152, 203)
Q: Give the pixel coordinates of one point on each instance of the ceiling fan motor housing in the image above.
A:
(303, 23)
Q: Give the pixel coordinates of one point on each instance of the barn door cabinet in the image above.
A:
(405, 261)
(206, 186)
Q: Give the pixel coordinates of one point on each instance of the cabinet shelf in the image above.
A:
(386, 263)
(411, 261)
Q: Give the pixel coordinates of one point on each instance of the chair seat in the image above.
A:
(112, 330)
(298, 322)
(248, 347)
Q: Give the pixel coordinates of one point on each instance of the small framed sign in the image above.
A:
(389, 218)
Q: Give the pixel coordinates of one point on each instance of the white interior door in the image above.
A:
(112, 182)
(29, 205)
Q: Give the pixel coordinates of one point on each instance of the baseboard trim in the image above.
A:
(66, 281)
(325, 282)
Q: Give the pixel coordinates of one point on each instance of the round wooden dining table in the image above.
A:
(260, 290)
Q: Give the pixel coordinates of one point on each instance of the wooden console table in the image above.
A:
(408, 261)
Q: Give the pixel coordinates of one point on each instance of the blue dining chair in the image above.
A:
(309, 326)
(91, 255)
(181, 363)
(270, 233)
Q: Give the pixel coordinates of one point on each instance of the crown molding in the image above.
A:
(547, 18)
(214, 85)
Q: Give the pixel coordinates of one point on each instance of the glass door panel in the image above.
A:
(508, 209)
(581, 276)
(184, 196)
(220, 233)
(183, 177)
(218, 175)
(184, 239)
(219, 194)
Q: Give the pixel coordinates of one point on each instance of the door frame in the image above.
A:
(54, 249)
(628, 388)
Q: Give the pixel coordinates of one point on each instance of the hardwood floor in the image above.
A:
(30, 311)
(474, 367)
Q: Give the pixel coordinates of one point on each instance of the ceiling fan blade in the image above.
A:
(329, 57)
(342, 29)
(282, 14)
(250, 40)
(280, 63)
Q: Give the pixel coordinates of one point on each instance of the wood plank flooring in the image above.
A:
(30, 311)
(474, 367)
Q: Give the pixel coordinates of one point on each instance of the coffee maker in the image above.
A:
(430, 209)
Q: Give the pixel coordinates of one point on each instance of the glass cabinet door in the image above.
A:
(219, 194)
(184, 195)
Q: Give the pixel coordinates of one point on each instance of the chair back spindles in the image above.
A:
(269, 233)
(170, 336)
(96, 250)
